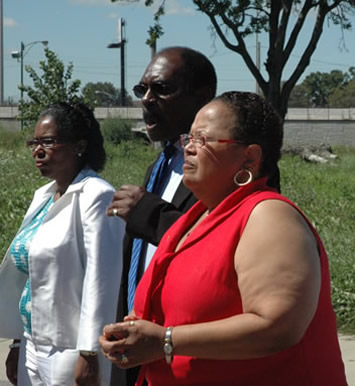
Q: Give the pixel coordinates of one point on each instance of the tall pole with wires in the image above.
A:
(257, 62)
(121, 44)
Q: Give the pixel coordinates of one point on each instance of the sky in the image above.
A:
(79, 31)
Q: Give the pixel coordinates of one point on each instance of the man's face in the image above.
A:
(169, 107)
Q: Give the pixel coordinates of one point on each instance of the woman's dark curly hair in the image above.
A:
(257, 122)
(75, 122)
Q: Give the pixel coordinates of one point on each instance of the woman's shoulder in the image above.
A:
(98, 183)
(93, 190)
(279, 215)
(266, 201)
(92, 181)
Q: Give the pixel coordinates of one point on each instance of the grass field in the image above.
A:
(326, 193)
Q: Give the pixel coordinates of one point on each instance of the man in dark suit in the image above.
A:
(175, 85)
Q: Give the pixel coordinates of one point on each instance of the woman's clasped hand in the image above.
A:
(133, 342)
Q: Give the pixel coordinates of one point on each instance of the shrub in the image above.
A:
(127, 163)
(18, 179)
(116, 130)
(12, 139)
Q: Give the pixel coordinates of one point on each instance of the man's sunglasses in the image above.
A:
(161, 90)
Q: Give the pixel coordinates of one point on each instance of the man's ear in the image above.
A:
(253, 158)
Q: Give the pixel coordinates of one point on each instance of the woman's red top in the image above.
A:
(198, 283)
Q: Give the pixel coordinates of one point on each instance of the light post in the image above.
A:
(121, 44)
(19, 55)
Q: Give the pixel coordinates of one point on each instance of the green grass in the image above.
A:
(326, 193)
(127, 162)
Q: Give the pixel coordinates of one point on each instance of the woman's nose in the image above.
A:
(38, 151)
(190, 148)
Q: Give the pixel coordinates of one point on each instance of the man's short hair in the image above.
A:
(198, 70)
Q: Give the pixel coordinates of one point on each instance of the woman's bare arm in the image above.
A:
(278, 268)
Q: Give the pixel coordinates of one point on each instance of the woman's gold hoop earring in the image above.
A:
(245, 181)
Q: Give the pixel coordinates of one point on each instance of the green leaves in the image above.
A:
(53, 85)
(155, 31)
(103, 94)
(322, 89)
(283, 21)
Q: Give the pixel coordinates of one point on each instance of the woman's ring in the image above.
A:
(132, 323)
(124, 359)
(114, 211)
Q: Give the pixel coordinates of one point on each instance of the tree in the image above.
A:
(322, 89)
(283, 20)
(343, 96)
(54, 85)
(321, 85)
(299, 96)
(104, 94)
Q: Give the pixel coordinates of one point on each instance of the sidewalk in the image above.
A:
(347, 344)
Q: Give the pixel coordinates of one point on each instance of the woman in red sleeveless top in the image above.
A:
(238, 292)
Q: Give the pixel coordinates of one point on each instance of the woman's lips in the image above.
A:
(188, 166)
(39, 164)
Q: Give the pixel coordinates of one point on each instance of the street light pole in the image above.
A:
(121, 44)
(123, 87)
(19, 56)
(21, 78)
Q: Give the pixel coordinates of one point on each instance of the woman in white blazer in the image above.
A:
(60, 278)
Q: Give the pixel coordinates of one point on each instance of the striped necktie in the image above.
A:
(154, 186)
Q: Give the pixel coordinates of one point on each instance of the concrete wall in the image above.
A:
(302, 126)
(319, 132)
(295, 114)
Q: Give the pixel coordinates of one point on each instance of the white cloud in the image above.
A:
(174, 7)
(9, 22)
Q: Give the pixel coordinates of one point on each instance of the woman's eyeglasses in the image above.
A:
(201, 140)
(45, 142)
(159, 89)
